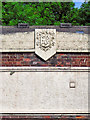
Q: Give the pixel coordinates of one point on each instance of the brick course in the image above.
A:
(45, 117)
(58, 60)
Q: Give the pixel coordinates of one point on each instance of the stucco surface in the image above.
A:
(18, 41)
(44, 92)
(72, 41)
(25, 41)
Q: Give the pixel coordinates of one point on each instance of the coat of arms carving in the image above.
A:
(45, 42)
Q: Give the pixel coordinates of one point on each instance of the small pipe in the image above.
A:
(12, 72)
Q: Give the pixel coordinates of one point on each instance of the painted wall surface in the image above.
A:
(44, 92)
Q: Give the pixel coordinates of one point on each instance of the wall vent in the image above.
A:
(23, 25)
(65, 25)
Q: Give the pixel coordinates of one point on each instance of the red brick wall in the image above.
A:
(58, 117)
(58, 60)
(44, 119)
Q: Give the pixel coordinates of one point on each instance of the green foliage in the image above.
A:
(47, 13)
(84, 14)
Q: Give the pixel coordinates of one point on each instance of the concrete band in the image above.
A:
(44, 69)
(73, 29)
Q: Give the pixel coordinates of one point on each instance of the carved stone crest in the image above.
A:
(45, 42)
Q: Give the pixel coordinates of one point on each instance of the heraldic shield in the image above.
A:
(45, 43)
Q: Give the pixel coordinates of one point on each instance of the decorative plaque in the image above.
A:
(45, 43)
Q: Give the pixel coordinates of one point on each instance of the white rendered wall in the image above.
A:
(44, 92)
